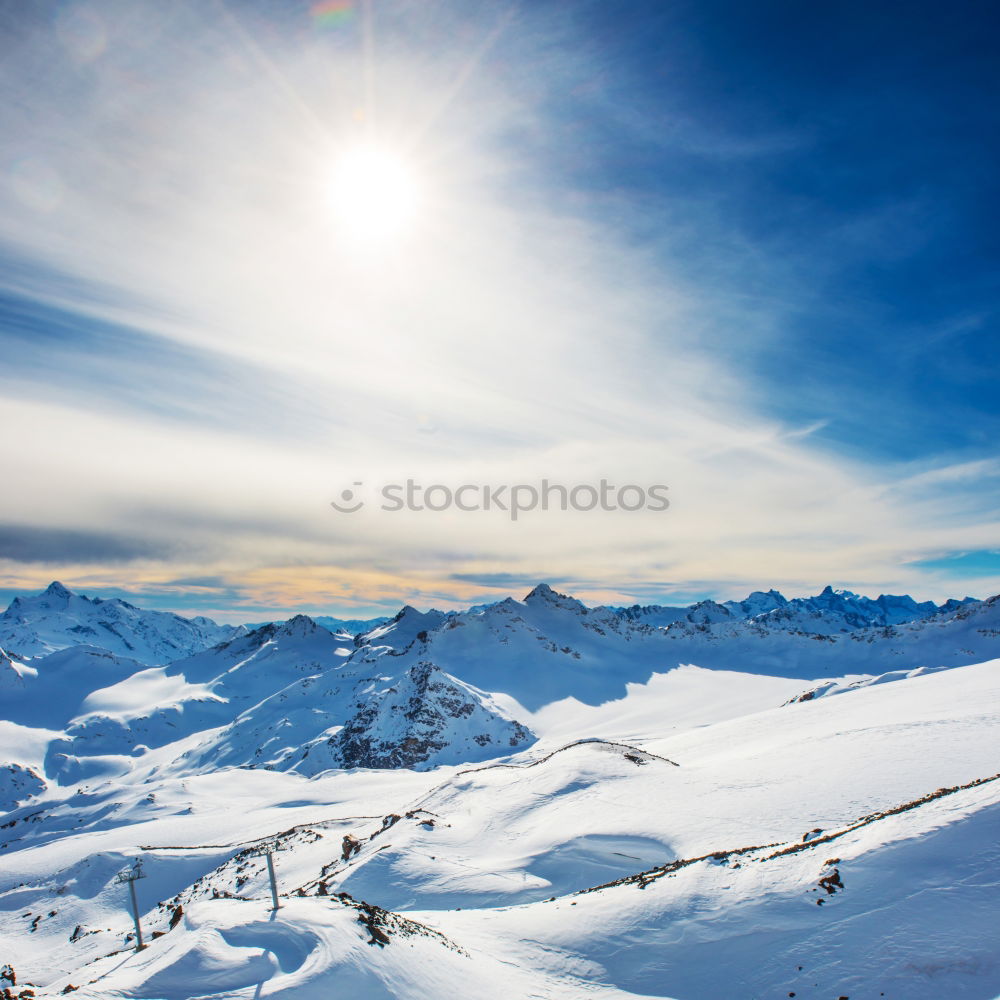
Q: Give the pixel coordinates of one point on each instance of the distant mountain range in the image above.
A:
(827, 613)
(111, 681)
(58, 618)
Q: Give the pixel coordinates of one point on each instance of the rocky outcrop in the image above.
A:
(425, 718)
(18, 784)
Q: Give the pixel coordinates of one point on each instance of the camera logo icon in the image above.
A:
(347, 504)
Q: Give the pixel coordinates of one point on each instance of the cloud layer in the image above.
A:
(198, 364)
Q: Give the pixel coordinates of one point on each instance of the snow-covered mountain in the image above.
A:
(346, 626)
(829, 612)
(57, 619)
(401, 630)
(350, 708)
(529, 798)
(414, 692)
(54, 689)
(550, 646)
(801, 646)
(352, 626)
(288, 696)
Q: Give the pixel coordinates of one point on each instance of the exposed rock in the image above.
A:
(423, 715)
(18, 783)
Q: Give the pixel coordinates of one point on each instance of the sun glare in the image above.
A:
(374, 196)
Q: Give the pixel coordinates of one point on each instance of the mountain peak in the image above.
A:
(543, 592)
(57, 618)
(406, 626)
(299, 625)
(543, 595)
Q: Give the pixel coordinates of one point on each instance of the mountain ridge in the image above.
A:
(426, 689)
(58, 618)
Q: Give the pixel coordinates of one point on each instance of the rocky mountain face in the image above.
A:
(427, 717)
(362, 708)
(282, 697)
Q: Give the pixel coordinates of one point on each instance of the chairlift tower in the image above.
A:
(268, 849)
(132, 875)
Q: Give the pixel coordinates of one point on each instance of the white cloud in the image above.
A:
(502, 342)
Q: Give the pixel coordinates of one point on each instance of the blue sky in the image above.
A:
(854, 148)
(745, 250)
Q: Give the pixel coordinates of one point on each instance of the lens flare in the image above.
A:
(332, 12)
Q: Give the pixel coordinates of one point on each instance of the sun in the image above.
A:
(374, 195)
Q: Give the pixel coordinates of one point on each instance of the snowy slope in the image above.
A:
(550, 646)
(401, 630)
(13, 673)
(547, 647)
(57, 619)
(53, 688)
(842, 846)
(358, 716)
(414, 691)
(283, 696)
(530, 799)
(18, 783)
